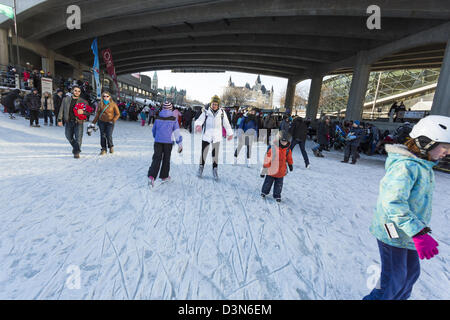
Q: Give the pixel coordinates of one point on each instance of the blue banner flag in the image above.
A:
(96, 68)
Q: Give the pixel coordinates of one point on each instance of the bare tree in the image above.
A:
(300, 98)
(327, 97)
(234, 96)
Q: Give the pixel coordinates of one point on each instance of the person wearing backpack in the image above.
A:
(107, 114)
(275, 168)
(212, 120)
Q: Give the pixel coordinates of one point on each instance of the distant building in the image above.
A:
(173, 95)
(257, 96)
(131, 86)
(155, 81)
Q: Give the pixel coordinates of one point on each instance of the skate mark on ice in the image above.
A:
(141, 276)
(120, 265)
(264, 273)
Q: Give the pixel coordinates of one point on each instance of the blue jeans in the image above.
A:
(302, 148)
(400, 269)
(277, 188)
(74, 134)
(106, 131)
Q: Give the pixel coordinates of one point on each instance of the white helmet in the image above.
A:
(430, 131)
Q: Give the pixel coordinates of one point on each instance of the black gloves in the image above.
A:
(291, 167)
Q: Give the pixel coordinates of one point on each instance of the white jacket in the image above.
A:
(212, 132)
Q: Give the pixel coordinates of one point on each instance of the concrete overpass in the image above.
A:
(294, 39)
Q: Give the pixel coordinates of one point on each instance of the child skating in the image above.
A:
(403, 213)
(165, 125)
(276, 161)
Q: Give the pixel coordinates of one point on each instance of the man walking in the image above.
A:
(33, 104)
(299, 131)
(74, 125)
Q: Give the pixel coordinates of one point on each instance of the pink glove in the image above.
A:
(426, 246)
(198, 129)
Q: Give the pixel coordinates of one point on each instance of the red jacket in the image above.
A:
(276, 161)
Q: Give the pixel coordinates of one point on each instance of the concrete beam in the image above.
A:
(320, 45)
(349, 27)
(314, 96)
(210, 66)
(358, 87)
(441, 101)
(245, 65)
(292, 65)
(44, 52)
(52, 17)
(290, 95)
(301, 58)
(438, 34)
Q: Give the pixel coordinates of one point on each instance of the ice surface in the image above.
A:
(190, 238)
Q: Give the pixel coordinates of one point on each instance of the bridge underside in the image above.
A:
(293, 39)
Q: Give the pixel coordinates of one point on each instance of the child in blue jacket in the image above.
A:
(403, 212)
(165, 125)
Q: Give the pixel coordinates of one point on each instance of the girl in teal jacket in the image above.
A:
(403, 213)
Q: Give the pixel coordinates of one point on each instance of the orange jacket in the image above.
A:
(275, 162)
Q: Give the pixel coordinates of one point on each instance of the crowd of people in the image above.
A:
(395, 112)
(403, 212)
(401, 220)
(353, 137)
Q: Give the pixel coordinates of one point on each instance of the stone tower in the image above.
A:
(155, 81)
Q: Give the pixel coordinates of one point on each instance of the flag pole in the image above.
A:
(17, 36)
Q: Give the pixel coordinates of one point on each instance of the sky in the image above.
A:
(202, 86)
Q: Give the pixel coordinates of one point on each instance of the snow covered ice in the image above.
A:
(95, 219)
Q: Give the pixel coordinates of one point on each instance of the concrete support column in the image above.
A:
(441, 101)
(358, 89)
(314, 97)
(4, 54)
(77, 72)
(290, 96)
(48, 63)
